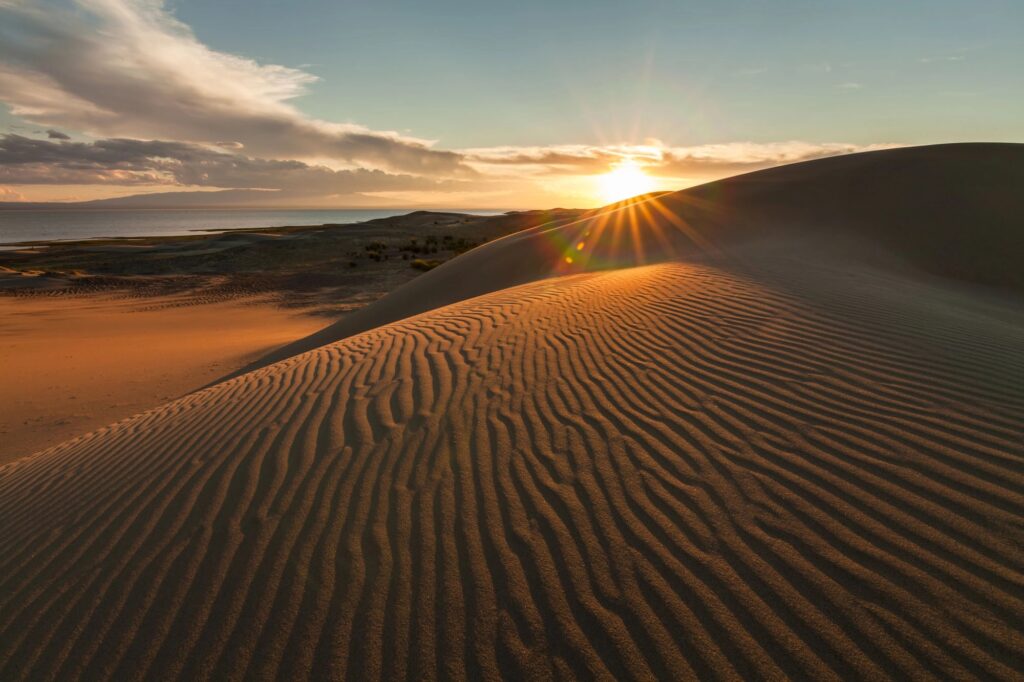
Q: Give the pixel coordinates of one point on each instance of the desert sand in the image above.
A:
(74, 363)
(95, 331)
(771, 427)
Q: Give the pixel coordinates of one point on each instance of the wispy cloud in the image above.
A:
(57, 68)
(944, 58)
(694, 161)
(127, 162)
(571, 158)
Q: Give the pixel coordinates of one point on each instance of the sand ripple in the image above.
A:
(670, 471)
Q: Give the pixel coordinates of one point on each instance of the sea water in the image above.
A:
(18, 225)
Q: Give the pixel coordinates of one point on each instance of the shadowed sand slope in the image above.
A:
(952, 210)
(678, 470)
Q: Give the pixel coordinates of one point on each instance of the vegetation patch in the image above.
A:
(424, 264)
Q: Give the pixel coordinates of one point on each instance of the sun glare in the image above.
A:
(625, 180)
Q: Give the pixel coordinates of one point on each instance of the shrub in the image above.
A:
(423, 264)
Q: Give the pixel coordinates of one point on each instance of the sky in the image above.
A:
(327, 103)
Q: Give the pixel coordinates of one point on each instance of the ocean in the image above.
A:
(52, 225)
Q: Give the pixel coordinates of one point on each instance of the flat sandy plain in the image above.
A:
(74, 363)
(767, 428)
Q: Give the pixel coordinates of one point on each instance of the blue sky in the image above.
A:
(415, 102)
(524, 73)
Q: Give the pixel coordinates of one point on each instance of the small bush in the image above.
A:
(424, 264)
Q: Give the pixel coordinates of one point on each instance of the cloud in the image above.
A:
(850, 86)
(8, 194)
(572, 158)
(57, 67)
(57, 135)
(26, 161)
(567, 159)
(656, 158)
(947, 58)
(513, 172)
(738, 157)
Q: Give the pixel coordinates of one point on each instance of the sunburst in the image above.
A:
(627, 179)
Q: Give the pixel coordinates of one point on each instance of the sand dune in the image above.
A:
(779, 461)
(951, 210)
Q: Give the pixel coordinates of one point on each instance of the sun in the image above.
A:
(625, 180)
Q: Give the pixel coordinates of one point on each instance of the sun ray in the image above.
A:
(680, 224)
